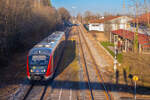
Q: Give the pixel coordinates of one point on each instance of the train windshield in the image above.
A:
(38, 60)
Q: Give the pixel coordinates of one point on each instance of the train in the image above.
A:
(43, 58)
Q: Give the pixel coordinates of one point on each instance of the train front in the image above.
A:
(39, 64)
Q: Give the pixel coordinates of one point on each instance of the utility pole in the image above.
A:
(137, 27)
(124, 26)
(147, 12)
(74, 16)
(123, 4)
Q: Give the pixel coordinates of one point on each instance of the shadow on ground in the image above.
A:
(68, 56)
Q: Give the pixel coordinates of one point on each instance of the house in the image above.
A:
(123, 33)
(99, 24)
(96, 25)
(111, 22)
(120, 22)
(142, 19)
(125, 40)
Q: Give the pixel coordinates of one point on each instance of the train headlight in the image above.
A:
(31, 70)
(44, 70)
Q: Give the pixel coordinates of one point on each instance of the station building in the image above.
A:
(125, 40)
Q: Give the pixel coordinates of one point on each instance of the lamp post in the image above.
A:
(73, 11)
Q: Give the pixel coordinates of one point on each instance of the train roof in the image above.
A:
(48, 43)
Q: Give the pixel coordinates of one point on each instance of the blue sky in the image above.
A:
(95, 6)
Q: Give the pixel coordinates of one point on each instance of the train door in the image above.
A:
(55, 57)
(61, 45)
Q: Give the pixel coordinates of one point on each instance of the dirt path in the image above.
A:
(107, 59)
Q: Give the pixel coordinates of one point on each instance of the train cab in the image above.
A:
(39, 63)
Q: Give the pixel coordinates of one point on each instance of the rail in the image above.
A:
(98, 72)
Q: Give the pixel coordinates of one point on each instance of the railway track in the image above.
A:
(86, 70)
(41, 90)
(97, 88)
(36, 91)
(52, 90)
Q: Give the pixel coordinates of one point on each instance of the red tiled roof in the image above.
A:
(143, 39)
(144, 18)
(103, 20)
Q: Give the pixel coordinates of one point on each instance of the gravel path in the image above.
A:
(98, 58)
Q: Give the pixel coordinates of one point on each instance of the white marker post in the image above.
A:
(115, 60)
(135, 78)
(115, 47)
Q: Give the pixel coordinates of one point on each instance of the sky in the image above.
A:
(95, 6)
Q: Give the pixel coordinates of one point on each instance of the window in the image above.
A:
(38, 60)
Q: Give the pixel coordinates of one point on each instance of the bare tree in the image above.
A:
(23, 22)
(87, 16)
(79, 17)
(146, 9)
(65, 15)
(91, 16)
(137, 5)
(98, 16)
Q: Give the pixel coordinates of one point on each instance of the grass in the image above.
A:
(70, 61)
(106, 44)
(132, 64)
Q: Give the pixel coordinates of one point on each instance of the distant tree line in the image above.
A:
(90, 16)
(24, 22)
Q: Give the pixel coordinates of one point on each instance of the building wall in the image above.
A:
(96, 27)
(115, 24)
(123, 45)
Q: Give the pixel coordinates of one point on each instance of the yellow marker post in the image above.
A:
(72, 39)
(135, 79)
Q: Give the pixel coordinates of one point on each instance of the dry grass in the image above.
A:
(132, 64)
(69, 62)
(137, 64)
